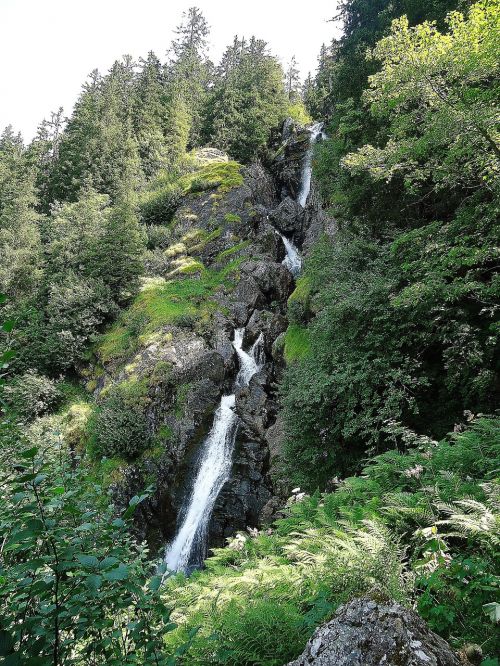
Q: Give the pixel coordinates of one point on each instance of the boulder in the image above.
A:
(288, 218)
(273, 279)
(367, 633)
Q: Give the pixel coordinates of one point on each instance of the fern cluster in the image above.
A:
(410, 528)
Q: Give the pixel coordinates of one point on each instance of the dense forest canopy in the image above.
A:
(391, 340)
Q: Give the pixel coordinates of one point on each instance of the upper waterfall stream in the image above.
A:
(305, 184)
(187, 550)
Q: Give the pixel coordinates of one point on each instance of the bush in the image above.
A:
(72, 576)
(401, 330)
(75, 310)
(158, 206)
(158, 236)
(31, 395)
(119, 426)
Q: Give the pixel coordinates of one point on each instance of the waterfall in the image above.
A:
(188, 548)
(305, 184)
(293, 259)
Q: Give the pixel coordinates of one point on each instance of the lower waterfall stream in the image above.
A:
(187, 550)
(293, 260)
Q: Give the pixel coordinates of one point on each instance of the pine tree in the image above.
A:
(247, 100)
(119, 257)
(292, 80)
(188, 71)
(20, 244)
(150, 117)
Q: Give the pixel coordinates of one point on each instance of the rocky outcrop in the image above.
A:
(288, 218)
(190, 364)
(286, 165)
(367, 633)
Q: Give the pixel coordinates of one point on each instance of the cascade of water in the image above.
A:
(188, 548)
(293, 259)
(305, 183)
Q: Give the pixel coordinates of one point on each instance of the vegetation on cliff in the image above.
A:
(121, 242)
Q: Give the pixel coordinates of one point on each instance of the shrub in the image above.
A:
(158, 206)
(119, 426)
(297, 343)
(158, 236)
(32, 394)
(72, 576)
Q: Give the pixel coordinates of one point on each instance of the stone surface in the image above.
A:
(288, 219)
(367, 633)
(199, 357)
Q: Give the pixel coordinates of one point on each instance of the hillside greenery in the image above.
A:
(389, 382)
(402, 305)
(420, 527)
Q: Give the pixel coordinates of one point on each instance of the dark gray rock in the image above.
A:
(288, 218)
(270, 324)
(367, 633)
(273, 279)
(316, 220)
(288, 158)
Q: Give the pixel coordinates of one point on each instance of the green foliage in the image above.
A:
(403, 301)
(158, 204)
(298, 113)
(72, 576)
(222, 176)
(390, 532)
(20, 242)
(299, 301)
(29, 395)
(438, 95)
(279, 586)
(118, 426)
(456, 595)
(297, 343)
(401, 331)
(248, 100)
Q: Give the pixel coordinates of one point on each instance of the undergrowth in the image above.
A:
(419, 525)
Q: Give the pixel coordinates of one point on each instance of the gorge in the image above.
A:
(250, 353)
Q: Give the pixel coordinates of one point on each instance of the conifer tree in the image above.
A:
(292, 80)
(188, 71)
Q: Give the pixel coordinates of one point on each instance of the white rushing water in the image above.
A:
(305, 184)
(293, 260)
(188, 548)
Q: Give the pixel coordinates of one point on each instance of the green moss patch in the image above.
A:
(178, 302)
(222, 176)
(297, 343)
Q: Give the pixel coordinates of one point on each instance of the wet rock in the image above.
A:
(274, 280)
(367, 633)
(288, 158)
(270, 324)
(316, 220)
(288, 218)
(261, 185)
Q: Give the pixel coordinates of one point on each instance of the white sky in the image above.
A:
(48, 47)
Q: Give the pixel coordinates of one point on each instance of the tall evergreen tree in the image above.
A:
(20, 244)
(292, 80)
(188, 70)
(247, 100)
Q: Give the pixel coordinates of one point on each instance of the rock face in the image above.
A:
(366, 633)
(190, 365)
